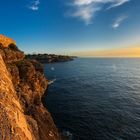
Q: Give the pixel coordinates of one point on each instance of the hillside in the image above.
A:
(50, 58)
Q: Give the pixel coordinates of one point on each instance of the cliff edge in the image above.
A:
(22, 86)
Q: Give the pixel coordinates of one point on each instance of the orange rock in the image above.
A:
(6, 41)
(22, 88)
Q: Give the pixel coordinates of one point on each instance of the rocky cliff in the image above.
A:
(22, 86)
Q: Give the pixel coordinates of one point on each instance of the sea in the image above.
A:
(95, 98)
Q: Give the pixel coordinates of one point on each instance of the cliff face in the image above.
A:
(22, 85)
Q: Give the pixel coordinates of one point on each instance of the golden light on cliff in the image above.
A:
(6, 41)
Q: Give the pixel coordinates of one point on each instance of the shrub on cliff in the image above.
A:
(26, 69)
(1, 46)
(13, 47)
(11, 53)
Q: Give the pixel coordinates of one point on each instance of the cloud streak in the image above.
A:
(86, 10)
(34, 5)
(119, 3)
(85, 13)
(119, 21)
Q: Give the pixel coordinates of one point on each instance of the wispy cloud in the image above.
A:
(86, 9)
(85, 13)
(120, 2)
(34, 5)
(119, 21)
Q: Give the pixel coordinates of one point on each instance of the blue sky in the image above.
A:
(70, 26)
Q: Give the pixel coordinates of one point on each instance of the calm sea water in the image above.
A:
(96, 99)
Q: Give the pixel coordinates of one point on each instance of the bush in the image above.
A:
(13, 47)
(1, 46)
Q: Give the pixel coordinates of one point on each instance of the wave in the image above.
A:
(51, 81)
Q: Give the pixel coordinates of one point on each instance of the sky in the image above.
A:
(73, 27)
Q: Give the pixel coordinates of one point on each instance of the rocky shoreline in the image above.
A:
(50, 58)
(22, 87)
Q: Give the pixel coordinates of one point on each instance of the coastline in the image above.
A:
(22, 86)
(50, 58)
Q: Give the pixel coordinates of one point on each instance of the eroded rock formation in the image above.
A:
(22, 85)
(6, 41)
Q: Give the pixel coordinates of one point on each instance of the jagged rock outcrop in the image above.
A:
(6, 41)
(22, 85)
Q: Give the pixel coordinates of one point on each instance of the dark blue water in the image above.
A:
(96, 99)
